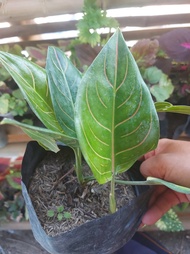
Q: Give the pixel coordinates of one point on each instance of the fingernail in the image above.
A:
(142, 225)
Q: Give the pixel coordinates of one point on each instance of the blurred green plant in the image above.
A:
(14, 103)
(146, 52)
(12, 206)
(14, 49)
(94, 19)
(170, 222)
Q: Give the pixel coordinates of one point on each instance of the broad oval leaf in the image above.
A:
(32, 81)
(63, 79)
(46, 138)
(116, 120)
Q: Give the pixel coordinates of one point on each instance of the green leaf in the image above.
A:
(67, 215)
(152, 75)
(4, 75)
(161, 86)
(4, 105)
(16, 49)
(50, 213)
(168, 107)
(63, 79)
(31, 79)
(116, 121)
(44, 137)
(17, 94)
(60, 216)
(164, 89)
(60, 209)
(173, 186)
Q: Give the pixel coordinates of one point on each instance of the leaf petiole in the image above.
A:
(78, 166)
(157, 181)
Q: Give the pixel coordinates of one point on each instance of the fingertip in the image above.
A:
(144, 169)
(149, 219)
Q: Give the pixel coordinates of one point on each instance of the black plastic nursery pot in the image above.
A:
(104, 235)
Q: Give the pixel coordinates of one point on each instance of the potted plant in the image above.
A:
(106, 116)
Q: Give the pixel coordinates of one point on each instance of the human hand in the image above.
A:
(170, 161)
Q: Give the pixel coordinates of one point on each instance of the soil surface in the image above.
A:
(54, 186)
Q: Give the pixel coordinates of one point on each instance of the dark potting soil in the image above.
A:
(54, 184)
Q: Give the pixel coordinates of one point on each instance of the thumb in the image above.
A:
(154, 166)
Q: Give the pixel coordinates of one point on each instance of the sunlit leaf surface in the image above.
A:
(32, 81)
(63, 79)
(116, 120)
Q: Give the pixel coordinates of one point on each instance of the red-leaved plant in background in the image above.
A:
(165, 64)
(11, 200)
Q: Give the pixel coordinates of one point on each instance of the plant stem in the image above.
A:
(112, 196)
(78, 165)
(136, 182)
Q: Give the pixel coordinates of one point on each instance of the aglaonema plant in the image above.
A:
(107, 115)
